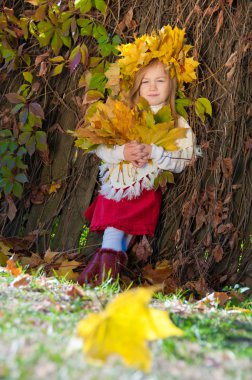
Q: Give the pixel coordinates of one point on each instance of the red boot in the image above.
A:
(111, 263)
(91, 270)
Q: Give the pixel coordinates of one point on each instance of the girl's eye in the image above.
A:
(144, 82)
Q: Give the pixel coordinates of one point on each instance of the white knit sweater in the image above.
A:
(122, 180)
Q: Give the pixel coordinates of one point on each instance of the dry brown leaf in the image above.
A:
(197, 9)
(42, 70)
(219, 22)
(230, 74)
(143, 249)
(76, 291)
(161, 275)
(218, 253)
(178, 236)
(228, 198)
(50, 256)
(200, 286)
(127, 22)
(227, 167)
(200, 218)
(214, 299)
(225, 228)
(209, 11)
(233, 240)
(22, 280)
(66, 270)
(232, 60)
(248, 144)
(33, 261)
(12, 210)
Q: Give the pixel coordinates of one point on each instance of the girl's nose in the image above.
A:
(153, 85)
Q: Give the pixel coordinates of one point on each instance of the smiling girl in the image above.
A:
(129, 205)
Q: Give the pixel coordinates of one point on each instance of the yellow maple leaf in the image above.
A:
(54, 187)
(123, 329)
(66, 270)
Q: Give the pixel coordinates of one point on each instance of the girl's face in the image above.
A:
(155, 85)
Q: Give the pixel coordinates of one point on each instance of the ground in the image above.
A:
(38, 318)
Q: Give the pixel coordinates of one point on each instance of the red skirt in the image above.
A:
(137, 216)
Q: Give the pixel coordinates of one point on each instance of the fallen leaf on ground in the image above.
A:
(123, 329)
(66, 270)
(12, 268)
(76, 291)
(22, 280)
(214, 299)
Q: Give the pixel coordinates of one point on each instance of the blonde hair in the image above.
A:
(134, 93)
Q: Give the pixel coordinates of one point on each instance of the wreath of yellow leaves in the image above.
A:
(167, 46)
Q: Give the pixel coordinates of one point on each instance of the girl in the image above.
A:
(127, 204)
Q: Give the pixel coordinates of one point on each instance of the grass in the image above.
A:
(38, 336)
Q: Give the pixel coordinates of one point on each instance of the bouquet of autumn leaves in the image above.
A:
(114, 122)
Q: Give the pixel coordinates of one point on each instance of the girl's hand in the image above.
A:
(147, 149)
(136, 153)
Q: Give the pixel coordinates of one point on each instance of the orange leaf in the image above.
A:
(12, 268)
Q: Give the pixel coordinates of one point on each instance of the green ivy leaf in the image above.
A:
(163, 115)
(8, 187)
(56, 43)
(20, 164)
(84, 54)
(21, 151)
(12, 145)
(24, 137)
(30, 145)
(181, 110)
(7, 173)
(58, 69)
(86, 26)
(17, 108)
(98, 82)
(21, 177)
(28, 76)
(83, 5)
(41, 141)
(200, 111)
(206, 104)
(105, 49)
(3, 146)
(57, 59)
(99, 31)
(5, 133)
(23, 115)
(17, 189)
(101, 6)
(116, 40)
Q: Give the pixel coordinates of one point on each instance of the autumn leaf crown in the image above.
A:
(167, 46)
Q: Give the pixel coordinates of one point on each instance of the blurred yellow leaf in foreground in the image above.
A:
(123, 329)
